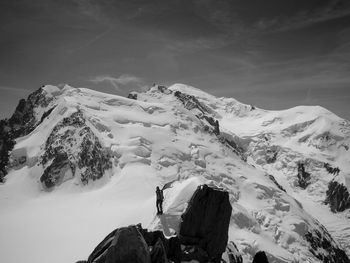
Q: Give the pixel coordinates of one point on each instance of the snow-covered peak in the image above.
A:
(92, 161)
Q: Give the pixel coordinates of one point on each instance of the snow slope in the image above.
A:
(157, 139)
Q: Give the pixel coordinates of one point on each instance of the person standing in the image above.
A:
(159, 202)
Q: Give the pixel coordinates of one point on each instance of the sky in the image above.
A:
(273, 54)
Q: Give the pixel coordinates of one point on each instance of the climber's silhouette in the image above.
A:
(159, 202)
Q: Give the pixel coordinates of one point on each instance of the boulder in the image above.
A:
(123, 245)
(206, 221)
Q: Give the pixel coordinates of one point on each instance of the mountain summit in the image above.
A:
(77, 163)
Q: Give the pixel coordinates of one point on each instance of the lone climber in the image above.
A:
(159, 202)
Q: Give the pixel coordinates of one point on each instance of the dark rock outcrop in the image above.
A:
(303, 176)
(323, 247)
(123, 245)
(204, 113)
(6, 145)
(24, 119)
(273, 179)
(46, 114)
(337, 196)
(191, 102)
(132, 96)
(260, 257)
(206, 221)
(71, 145)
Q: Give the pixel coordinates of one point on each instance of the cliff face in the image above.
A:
(72, 145)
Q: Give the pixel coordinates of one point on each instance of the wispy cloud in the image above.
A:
(118, 82)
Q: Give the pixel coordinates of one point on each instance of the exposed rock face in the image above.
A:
(323, 247)
(303, 176)
(72, 145)
(206, 221)
(123, 245)
(260, 257)
(273, 179)
(338, 197)
(230, 142)
(24, 121)
(191, 102)
(203, 112)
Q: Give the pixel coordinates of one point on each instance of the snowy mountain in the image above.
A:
(80, 163)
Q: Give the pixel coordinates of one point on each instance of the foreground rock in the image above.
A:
(206, 221)
(203, 235)
(124, 244)
(260, 257)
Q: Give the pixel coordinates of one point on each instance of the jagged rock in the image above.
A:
(323, 247)
(260, 257)
(337, 196)
(72, 145)
(191, 102)
(123, 245)
(24, 121)
(206, 221)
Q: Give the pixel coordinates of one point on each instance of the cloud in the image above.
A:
(118, 82)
